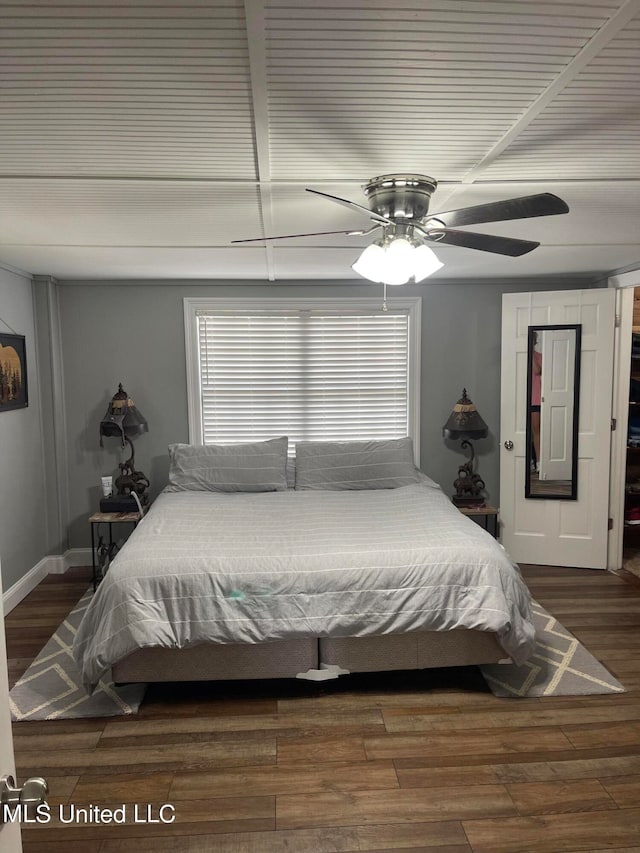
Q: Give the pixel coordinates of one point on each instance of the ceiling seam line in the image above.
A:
(294, 182)
(255, 23)
(442, 247)
(626, 12)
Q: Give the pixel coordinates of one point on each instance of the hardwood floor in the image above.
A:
(406, 761)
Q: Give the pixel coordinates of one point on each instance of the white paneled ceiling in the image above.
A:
(139, 138)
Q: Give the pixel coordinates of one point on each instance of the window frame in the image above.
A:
(412, 306)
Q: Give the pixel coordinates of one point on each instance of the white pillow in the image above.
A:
(258, 466)
(338, 465)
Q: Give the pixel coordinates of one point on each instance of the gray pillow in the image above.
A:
(338, 465)
(259, 466)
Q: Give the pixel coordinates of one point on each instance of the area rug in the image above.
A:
(559, 666)
(51, 688)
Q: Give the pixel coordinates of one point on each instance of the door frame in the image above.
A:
(624, 283)
(10, 840)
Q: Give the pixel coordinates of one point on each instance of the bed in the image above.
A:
(288, 582)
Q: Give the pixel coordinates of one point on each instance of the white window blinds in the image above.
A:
(309, 374)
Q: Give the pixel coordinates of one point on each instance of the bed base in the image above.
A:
(302, 658)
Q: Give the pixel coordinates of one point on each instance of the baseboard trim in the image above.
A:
(51, 565)
(77, 557)
(27, 583)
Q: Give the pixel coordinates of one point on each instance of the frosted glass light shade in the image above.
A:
(396, 263)
(369, 264)
(425, 263)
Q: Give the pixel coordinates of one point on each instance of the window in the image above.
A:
(309, 369)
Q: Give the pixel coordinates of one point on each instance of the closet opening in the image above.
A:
(631, 536)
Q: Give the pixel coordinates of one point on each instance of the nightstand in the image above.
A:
(101, 560)
(485, 513)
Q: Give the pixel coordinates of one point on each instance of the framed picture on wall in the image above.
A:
(13, 373)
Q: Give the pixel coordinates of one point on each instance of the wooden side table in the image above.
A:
(486, 513)
(109, 518)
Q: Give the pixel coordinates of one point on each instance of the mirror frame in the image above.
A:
(573, 496)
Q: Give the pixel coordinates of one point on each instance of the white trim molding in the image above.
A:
(27, 583)
(624, 284)
(51, 565)
(625, 279)
(77, 557)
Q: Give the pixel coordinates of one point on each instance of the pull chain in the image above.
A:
(384, 297)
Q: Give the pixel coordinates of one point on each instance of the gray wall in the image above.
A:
(23, 510)
(133, 332)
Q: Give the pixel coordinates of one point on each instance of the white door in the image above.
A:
(9, 832)
(556, 407)
(558, 532)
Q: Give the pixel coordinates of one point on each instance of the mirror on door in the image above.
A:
(553, 384)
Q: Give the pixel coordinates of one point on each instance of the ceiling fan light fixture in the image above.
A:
(370, 263)
(400, 250)
(425, 263)
(394, 275)
(396, 262)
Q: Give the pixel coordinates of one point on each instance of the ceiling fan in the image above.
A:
(399, 206)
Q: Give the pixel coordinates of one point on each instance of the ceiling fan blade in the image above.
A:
(312, 234)
(354, 206)
(484, 242)
(543, 204)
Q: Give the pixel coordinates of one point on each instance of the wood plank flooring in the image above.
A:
(405, 761)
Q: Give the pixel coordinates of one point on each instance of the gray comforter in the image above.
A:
(245, 568)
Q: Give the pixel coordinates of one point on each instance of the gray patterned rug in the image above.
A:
(51, 688)
(559, 666)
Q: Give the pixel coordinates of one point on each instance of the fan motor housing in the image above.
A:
(401, 196)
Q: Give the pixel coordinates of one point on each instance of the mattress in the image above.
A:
(205, 567)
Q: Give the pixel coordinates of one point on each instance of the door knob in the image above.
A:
(508, 445)
(31, 795)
